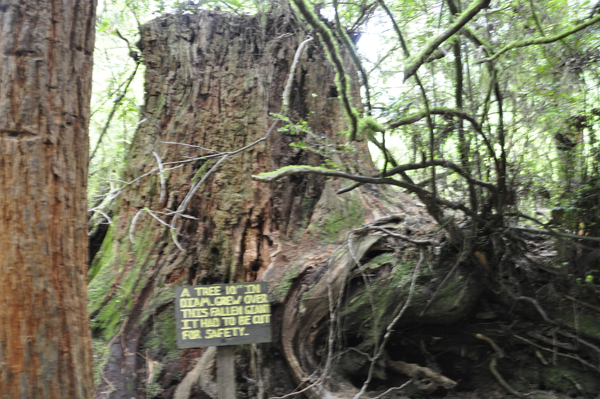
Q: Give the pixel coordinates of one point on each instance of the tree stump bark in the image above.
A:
(214, 81)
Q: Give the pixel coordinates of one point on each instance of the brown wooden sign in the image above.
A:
(222, 314)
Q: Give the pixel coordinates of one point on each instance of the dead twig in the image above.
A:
(496, 348)
(501, 380)
(133, 223)
(288, 86)
(407, 383)
(555, 233)
(494, 362)
(400, 236)
(581, 340)
(574, 357)
(289, 395)
(117, 192)
(587, 305)
(415, 372)
(552, 342)
(108, 218)
(534, 303)
(163, 183)
(191, 145)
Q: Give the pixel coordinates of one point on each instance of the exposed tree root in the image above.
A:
(426, 379)
(502, 381)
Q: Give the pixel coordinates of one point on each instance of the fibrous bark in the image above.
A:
(213, 81)
(45, 87)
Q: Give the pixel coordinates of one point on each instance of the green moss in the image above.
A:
(337, 223)
(584, 322)
(562, 378)
(201, 172)
(371, 319)
(99, 288)
(100, 351)
(113, 265)
(154, 388)
(369, 125)
(292, 169)
(102, 274)
(282, 289)
(161, 342)
(445, 301)
(161, 296)
(103, 253)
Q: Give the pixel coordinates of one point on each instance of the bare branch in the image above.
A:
(543, 40)
(446, 164)
(501, 380)
(157, 218)
(597, 369)
(288, 86)
(163, 183)
(108, 219)
(446, 112)
(556, 234)
(184, 204)
(414, 62)
(113, 110)
(132, 227)
(402, 237)
(407, 383)
(191, 145)
(117, 192)
(303, 169)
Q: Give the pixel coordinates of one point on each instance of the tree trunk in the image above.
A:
(213, 80)
(45, 88)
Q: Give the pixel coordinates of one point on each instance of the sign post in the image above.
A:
(223, 315)
(226, 372)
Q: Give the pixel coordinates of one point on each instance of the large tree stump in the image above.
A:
(213, 80)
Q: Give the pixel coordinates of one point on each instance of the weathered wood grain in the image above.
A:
(45, 87)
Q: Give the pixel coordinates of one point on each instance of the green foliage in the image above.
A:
(319, 144)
